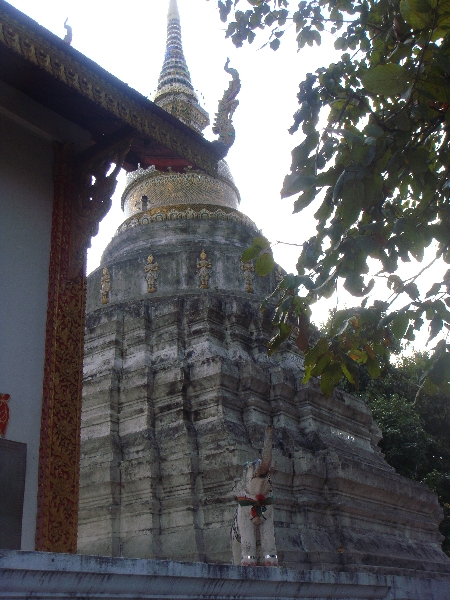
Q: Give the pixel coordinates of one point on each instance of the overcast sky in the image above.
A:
(128, 40)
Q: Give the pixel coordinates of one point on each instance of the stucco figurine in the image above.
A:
(252, 532)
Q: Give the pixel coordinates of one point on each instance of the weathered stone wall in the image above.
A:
(178, 391)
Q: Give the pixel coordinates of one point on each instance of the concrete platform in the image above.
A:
(40, 575)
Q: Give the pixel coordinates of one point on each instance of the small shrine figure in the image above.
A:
(151, 274)
(106, 285)
(4, 413)
(249, 275)
(204, 270)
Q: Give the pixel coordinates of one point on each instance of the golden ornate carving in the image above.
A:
(249, 275)
(164, 188)
(59, 451)
(105, 282)
(187, 211)
(151, 274)
(204, 270)
(62, 64)
(223, 124)
(78, 206)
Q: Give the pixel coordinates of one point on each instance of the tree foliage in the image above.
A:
(377, 172)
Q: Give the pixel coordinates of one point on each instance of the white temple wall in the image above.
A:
(26, 198)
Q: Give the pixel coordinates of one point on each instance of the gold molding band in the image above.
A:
(187, 211)
(67, 69)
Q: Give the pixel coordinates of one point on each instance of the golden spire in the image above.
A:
(175, 92)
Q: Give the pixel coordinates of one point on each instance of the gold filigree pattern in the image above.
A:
(59, 452)
(189, 211)
(151, 274)
(168, 188)
(63, 66)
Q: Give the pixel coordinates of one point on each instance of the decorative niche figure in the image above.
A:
(254, 516)
(204, 270)
(249, 275)
(105, 285)
(151, 274)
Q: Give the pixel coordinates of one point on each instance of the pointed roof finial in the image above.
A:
(173, 11)
(175, 92)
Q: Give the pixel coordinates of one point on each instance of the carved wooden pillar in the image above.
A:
(78, 207)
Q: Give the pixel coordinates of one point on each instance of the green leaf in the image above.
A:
(250, 253)
(435, 326)
(326, 385)
(321, 364)
(261, 242)
(296, 182)
(352, 195)
(275, 44)
(373, 367)
(418, 19)
(389, 80)
(433, 290)
(418, 160)
(347, 374)
(320, 348)
(399, 325)
(304, 200)
(264, 264)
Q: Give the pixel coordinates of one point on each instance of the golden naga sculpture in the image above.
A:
(223, 125)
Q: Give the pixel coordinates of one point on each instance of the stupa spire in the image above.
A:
(175, 92)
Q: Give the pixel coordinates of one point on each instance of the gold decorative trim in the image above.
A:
(187, 211)
(78, 205)
(59, 451)
(65, 68)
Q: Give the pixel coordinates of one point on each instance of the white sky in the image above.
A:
(128, 40)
